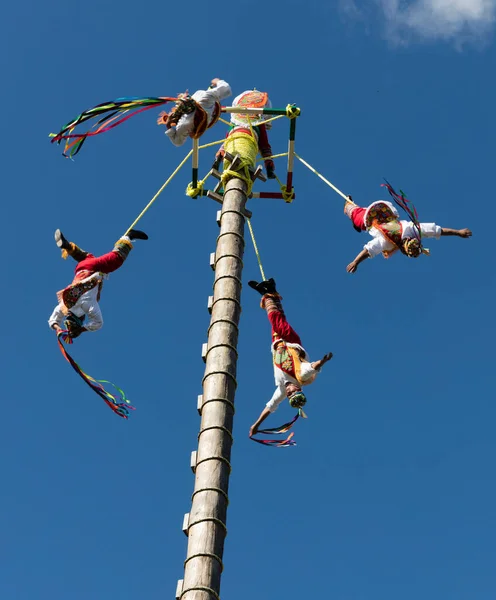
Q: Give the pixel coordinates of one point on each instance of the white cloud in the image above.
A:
(350, 8)
(458, 20)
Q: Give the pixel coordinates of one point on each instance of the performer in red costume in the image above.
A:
(80, 299)
(390, 234)
(292, 367)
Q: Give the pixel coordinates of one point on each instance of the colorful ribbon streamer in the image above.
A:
(118, 403)
(109, 115)
(402, 201)
(278, 431)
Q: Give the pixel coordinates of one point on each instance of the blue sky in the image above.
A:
(390, 492)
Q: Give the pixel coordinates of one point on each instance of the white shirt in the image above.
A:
(206, 99)
(381, 244)
(307, 374)
(86, 305)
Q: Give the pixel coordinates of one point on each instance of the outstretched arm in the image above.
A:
(272, 405)
(220, 89)
(263, 415)
(464, 233)
(320, 363)
(56, 319)
(353, 266)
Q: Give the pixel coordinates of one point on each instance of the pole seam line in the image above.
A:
(235, 325)
(225, 400)
(235, 300)
(221, 346)
(207, 555)
(235, 189)
(211, 489)
(200, 588)
(226, 373)
(235, 233)
(235, 277)
(229, 210)
(221, 458)
(221, 428)
(206, 520)
(228, 256)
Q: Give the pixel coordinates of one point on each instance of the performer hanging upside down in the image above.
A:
(80, 299)
(292, 368)
(390, 234)
(193, 115)
(241, 123)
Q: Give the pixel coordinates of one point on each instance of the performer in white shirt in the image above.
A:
(193, 115)
(390, 233)
(292, 367)
(80, 300)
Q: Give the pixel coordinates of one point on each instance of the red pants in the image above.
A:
(104, 264)
(281, 328)
(357, 215)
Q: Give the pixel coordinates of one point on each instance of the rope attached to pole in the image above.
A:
(138, 218)
(338, 191)
(256, 248)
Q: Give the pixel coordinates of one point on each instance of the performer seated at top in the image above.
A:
(241, 123)
(292, 367)
(80, 299)
(390, 233)
(193, 115)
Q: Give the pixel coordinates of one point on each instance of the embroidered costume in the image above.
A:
(389, 232)
(79, 300)
(193, 115)
(252, 125)
(292, 368)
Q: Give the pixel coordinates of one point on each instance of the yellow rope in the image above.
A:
(246, 147)
(181, 164)
(231, 124)
(211, 144)
(292, 111)
(287, 196)
(197, 191)
(273, 156)
(256, 248)
(271, 119)
(322, 177)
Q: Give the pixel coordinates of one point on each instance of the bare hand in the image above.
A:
(253, 430)
(465, 233)
(352, 267)
(162, 118)
(326, 358)
(214, 82)
(57, 328)
(318, 365)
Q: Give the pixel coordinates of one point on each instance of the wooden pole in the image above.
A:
(205, 525)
